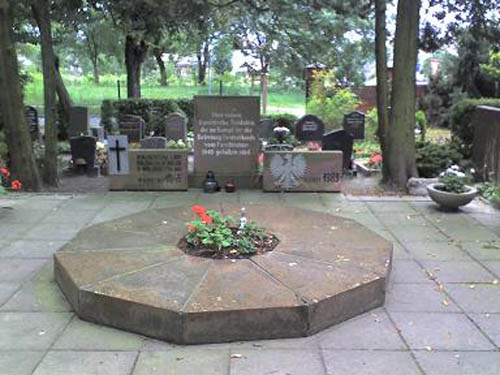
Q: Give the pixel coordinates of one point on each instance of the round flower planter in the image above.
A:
(450, 200)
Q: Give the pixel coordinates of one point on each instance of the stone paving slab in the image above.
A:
(476, 298)
(440, 331)
(31, 249)
(86, 363)
(19, 362)
(370, 363)
(459, 363)
(418, 297)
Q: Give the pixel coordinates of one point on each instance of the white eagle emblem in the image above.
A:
(287, 170)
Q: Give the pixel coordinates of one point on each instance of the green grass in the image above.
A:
(91, 95)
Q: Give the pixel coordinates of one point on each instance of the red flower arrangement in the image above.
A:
(5, 182)
(202, 213)
(16, 185)
(375, 161)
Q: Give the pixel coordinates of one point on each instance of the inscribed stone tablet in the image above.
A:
(226, 134)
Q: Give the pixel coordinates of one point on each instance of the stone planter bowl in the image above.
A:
(451, 200)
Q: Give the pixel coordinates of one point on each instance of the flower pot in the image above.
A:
(450, 200)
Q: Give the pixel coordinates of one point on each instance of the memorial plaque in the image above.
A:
(118, 162)
(176, 127)
(154, 170)
(226, 139)
(154, 143)
(302, 171)
(78, 121)
(31, 115)
(309, 128)
(354, 124)
(340, 140)
(83, 150)
(132, 126)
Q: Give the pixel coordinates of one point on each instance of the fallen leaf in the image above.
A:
(164, 222)
(236, 356)
(446, 302)
(428, 348)
(41, 333)
(472, 286)
(293, 264)
(495, 282)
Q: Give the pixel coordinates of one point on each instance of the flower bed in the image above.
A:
(212, 235)
(6, 183)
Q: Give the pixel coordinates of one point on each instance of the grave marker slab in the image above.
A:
(118, 161)
(154, 143)
(302, 171)
(226, 139)
(266, 128)
(83, 151)
(31, 115)
(340, 140)
(354, 124)
(132, 126)
(309, 128)
(78, 121)
(154, 170)
(97, 132)
(175, 127)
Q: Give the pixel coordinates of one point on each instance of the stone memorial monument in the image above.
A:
(309, 128)
(31, 115)
(340, 140)
(118, 160)
(354, 124)
(175, 127)
(83, 151)
(132, 126)
(226, 139)
(154, 143)
(78, 121)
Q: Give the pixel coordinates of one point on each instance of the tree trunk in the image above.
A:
(203, 57)
(263, 84)
(163, 69)
(135, 54)
(95, 69)
(16, 130)
(400, 141)
(382, 85)
(41, 14)
(64, 101)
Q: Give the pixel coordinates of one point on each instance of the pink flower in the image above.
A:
(16, 185)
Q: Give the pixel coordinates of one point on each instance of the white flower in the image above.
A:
(455, 167)
(472, 171)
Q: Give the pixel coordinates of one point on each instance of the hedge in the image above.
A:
(153, 111)
(462, 128)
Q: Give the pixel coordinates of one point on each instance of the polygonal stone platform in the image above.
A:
(129, 273)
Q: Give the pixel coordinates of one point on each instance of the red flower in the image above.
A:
(207, 219)
(5, 172)
(375, 159)
(199, 210)
(191, 227)
(16, 185)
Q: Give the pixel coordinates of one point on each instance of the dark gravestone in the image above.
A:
(97, 132)
(83, 151)
(175, 127)
(309, 128)
(132, 126)
(354, 124)
(78, 121)
(340, 140)
(154, 143)
(266, 128)
(31, 115)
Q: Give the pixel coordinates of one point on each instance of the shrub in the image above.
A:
(421, 122)
(433, 158)
(371, 125)
(332, 109)
(490, 192)
(287, 120)
(462, 129)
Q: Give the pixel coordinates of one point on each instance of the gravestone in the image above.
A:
(132, 126)
(83, 151)
(175, 127)
(154, 170)
(309, 128)
(226, 139)
(354, 124)
(340, 140)
(97, 132)
(118, 160)
(154, 143)
(78, 121)
(31, 115)
(266, 127)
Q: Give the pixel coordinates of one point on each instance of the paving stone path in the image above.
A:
(442, 314)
